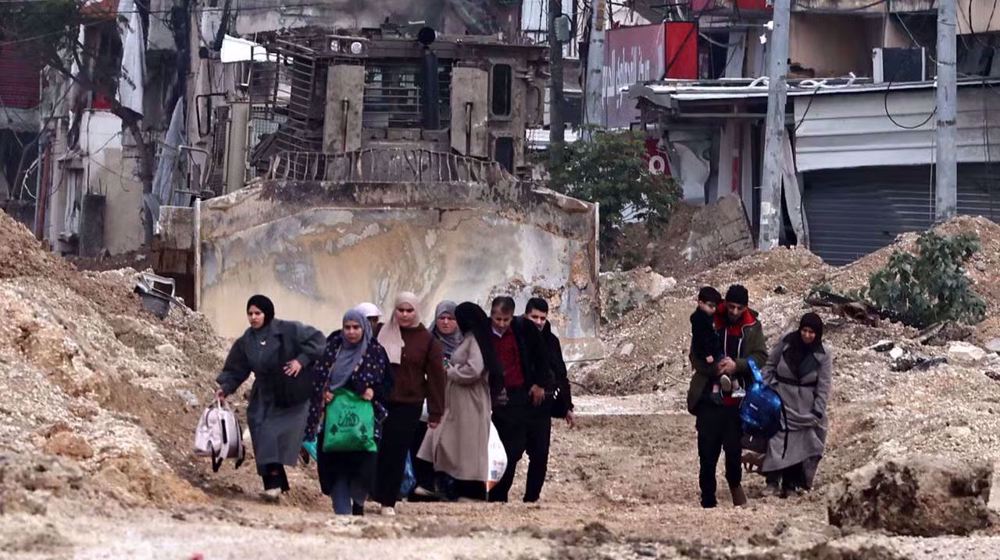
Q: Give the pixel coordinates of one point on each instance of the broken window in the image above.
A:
(392, 94)
(503, 81)
(503, 152)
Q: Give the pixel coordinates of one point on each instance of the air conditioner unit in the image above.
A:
(899, 65)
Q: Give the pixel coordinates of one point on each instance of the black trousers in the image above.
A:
(397, 435)
(275, 477)
(790, 478)
(523, 428)
(423, 471)
(718, 431)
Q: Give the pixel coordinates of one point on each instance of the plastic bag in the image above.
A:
(349, 423)
(310, 446)
(409, 478)
(496, 458)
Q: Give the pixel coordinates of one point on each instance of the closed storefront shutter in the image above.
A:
(853, 212)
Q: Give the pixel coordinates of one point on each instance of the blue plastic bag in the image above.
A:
(409, 479)
(762, 409)
(310, 446)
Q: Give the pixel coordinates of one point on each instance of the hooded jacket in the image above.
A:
(747, 334)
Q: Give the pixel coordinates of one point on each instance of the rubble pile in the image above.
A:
(983, 269)
(920, 495)
(896, 390)
(99, 395)
(648, 347)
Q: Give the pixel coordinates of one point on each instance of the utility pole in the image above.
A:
(557, 120)
(946, 178)
(777, 95)
(594, 82)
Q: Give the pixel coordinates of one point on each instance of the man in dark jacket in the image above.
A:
(718, 424)
(519, 404)
(558, 402)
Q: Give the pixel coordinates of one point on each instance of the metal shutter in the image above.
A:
(853, 212)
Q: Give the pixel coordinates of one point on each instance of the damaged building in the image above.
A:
(859, 146)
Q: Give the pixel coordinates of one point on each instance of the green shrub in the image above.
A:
(612, 170)
(930, 286)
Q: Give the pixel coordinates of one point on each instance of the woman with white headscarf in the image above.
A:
(417, 374)
(356, 361)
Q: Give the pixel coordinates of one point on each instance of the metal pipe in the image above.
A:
(197, 253)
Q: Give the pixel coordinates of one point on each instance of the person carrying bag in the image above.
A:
(346, 413)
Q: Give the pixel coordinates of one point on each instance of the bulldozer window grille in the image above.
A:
(392, 97)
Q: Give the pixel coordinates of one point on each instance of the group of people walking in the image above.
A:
(429, 394)
(726, 336)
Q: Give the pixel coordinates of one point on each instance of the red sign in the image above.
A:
(641, 54)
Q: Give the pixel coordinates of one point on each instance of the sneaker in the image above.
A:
(388, 511)
(739, 496)
(726, 384)
(272, 495)
(738, 391)
(771, 490)
(423, 492)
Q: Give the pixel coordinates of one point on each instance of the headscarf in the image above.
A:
(451, 341)
(265, 305)
(391, 337)
(799, 356)
(472, 320)
(369, 309)
(349, 355)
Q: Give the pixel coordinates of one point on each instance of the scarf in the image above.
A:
(449, 342)
(265, 305)
(391, 335)
(799, 356)
(349, 356)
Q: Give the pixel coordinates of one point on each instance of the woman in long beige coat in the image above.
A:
(458, 447)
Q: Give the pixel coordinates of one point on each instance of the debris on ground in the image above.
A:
(623, 291)
(920, 495)
(83, 371)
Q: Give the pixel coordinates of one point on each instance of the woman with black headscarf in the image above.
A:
(280, 354)
(800, 369)
(458, 447)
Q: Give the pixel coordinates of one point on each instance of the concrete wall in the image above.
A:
(834, 45)
(99, 167)
(319, 249)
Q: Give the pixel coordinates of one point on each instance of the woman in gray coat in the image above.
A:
(279, 354)
(800, 369)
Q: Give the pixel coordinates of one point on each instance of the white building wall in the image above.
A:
(854, 130)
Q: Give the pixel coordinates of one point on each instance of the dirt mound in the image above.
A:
(93, 385)
(983, 269)
(648, 347)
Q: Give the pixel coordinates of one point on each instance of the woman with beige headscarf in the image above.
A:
(417, 363)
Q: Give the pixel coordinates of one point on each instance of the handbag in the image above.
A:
(218, 435)
(349, 424)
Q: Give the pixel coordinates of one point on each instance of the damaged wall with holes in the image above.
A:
(319, 248)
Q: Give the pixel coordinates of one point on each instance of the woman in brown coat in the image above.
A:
(458, 447)
(417, 364)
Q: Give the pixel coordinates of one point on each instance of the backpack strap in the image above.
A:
(217, 456)
(239, 439)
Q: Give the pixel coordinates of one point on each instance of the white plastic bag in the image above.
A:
(496, 458)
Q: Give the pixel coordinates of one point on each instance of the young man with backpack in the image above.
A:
(718, 423)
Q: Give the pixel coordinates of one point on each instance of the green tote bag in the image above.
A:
(349, 423)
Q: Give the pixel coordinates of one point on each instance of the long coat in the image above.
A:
(369, 374)
(805, 397)
(276, 430)
(458, 447)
